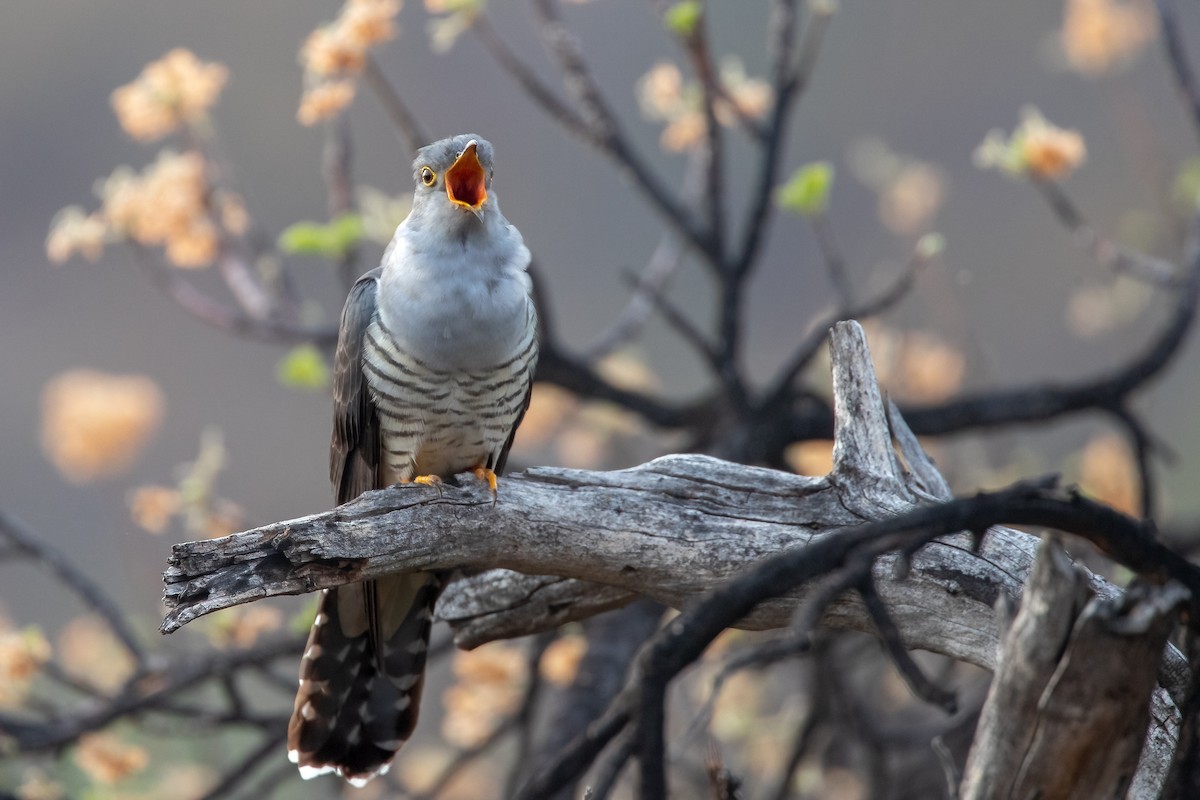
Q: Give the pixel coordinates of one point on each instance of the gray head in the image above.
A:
(454, 179)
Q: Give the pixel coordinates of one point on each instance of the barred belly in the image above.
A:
(442, 422)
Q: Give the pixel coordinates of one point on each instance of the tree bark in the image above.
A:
(1066, 713)
(668, 530)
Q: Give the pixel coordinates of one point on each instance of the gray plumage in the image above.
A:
(432, 375)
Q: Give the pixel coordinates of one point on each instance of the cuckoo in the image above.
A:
(432, 375)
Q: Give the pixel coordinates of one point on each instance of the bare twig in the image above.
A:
(1143, 447)
(339, 187)
(889, 634)
(663, 264)
(1177, 59)
(788, 82)
(144, 692)
(523, 718)
(76, 579)
(227, 318)
(576, 376)
(407, 125)
(835, 261)
(781, 390)
(610, 767)
(1041, 402)
(242, 771)
(527, 79)
(712, 154)
(603, 130)
(1108, 253)
(678, 321)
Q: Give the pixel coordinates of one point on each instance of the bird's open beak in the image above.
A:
(465, 181)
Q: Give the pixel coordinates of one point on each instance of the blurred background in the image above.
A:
(914, 85)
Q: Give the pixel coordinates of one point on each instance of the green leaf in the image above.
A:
(930, 246)
(808, 190)
(303, 368)
(346, 231)
(683, 17)
(303, 238)
(332, 240)
(1186, 191)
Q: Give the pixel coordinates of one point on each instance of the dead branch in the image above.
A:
(1066, 714)
(681, 527)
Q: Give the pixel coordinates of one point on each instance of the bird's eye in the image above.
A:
(428, 176)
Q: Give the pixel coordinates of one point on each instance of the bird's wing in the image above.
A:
(502, 458)
(354, 448)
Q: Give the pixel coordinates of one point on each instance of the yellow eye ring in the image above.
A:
(428, 176)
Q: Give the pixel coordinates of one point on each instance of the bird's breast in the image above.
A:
(443, 421)
(457, 314)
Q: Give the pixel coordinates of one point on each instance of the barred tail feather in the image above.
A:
(360, 693)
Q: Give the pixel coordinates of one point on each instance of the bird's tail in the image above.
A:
(361, 676)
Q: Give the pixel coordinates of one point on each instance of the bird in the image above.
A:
(432, 375)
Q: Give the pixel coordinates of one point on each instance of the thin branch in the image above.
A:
(336, 165)
(252, 297)
(889, 634)
(801, 743)
(603, 130)
(788, 83)
(663, 264)
(648, 726)
(612, 641)
(523, 718)
(225, 317)
(1177, 59)
(1040, 402)
(1108, 253)
(949, 768)
(805, 623)
(739, 262)
(464, 758)
(712, 154)
(240, 773)
(538, 92)
(781, 390)
(94, 597)
(407, 125)
(678, 321)
(1143, 446)
(610, 768)
(574, 375)
(144, 692)
(579, 754)
(835, 260)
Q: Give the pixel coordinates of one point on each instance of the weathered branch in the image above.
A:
(679, 527)
(1066, 714)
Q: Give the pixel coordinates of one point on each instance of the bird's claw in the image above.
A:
(489, 477)
(429, 480)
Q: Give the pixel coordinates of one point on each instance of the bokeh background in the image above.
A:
(928, 77)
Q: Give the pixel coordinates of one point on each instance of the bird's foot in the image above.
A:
(489, 477)
(428, 480)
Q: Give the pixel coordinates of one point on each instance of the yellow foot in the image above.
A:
(428, 480)
(485, 474)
